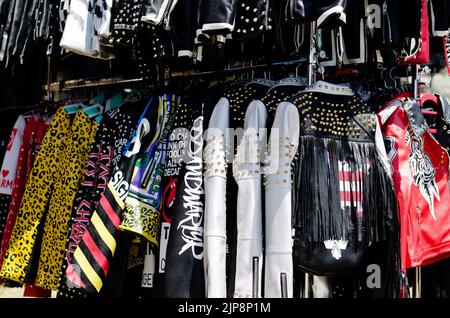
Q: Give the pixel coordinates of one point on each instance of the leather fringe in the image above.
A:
(327, 171)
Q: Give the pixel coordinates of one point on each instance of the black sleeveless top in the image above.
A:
(341, 190)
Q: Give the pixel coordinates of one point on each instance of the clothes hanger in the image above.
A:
(431, 108)
(391, 77)
(296, 70)
(114, 102)
(99, 98)
(428, 97)
(252, 72)
(73, 108)
(32, 113)
(90, 111)
(429, 100)
(94, 111)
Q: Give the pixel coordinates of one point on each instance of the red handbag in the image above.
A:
(418, 52)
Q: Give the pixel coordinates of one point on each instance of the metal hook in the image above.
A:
(296, 70)
(228, 66)
(268, 73)
(392, 77)
(243, 68)
(386, 79)
(383, 78)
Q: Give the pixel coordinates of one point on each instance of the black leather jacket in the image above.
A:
(218, 16)
(328, 13)
(442, 124)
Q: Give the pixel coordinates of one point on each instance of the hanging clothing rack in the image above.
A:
(242, 67)
(83, 83)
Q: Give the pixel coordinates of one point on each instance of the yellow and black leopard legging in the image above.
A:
(53, 183)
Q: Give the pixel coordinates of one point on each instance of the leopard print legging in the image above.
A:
(53, 182)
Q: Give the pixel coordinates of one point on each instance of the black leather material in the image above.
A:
(125, 21)
(219, 11)
(352, 29)
(4, 13)
(252, 18)
(43, 19)
(387, 34)
(163, 45)
(10, 28)
(295, 10)
(445, 108)
(184, 22)
(341, 196)
(440, 122)
(157, 12)
(23, 29)
(153, 7)
(309, 10)
(390, 27)
(4, 10)
(316, 259)
(441, 16)
(15, 22)
(416, 118)
(290, 40)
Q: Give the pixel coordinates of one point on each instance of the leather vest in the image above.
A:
(341, 204)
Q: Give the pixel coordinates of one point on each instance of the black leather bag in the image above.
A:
(335, 258)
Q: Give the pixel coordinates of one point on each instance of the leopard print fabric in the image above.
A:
(142, 219)
(36, 198)
(112, 136)
(68, 180)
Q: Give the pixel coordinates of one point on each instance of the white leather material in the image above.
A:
(215, 202)
(79, 36)
(321, 287)
(155, 12)
(159, 11)
(329, 88)
(78, 32)
(104, 29)
(283, 144)
(247, 173)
